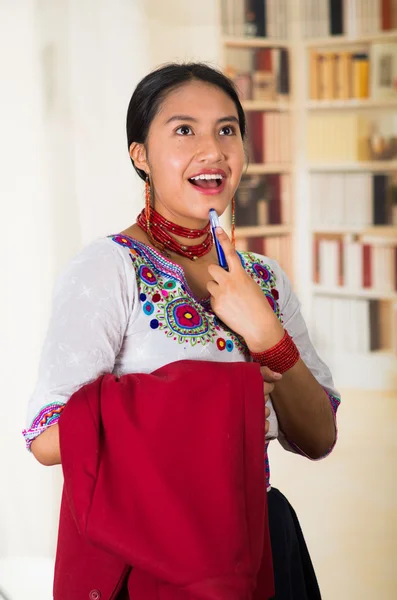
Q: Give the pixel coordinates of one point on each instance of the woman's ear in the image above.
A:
(138, 155)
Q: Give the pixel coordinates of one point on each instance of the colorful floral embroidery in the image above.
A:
(264, 277)
(261, 271)
(220, 342)
(123, 241)
(147, 275)
(48, 415)
(148, 308)
(229, 346)
(178, 318)
(334, 400)
(176, 311)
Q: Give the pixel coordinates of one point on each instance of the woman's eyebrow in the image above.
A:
(193, 120)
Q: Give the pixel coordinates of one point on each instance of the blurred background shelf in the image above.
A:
(261, 169)
(387, 231)
(353, 104)
(381, 166)
(262, 230)
(350, 293)
(343, 40)
(254, 42)
(273, 105)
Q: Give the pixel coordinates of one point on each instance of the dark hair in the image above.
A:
(152, 89)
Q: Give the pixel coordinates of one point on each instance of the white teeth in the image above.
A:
(207, 176)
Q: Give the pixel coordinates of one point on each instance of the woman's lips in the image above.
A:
(210, 191)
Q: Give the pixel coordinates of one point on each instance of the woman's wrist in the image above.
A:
(265, 337)
(281, 357)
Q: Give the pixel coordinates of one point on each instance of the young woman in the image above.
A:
(154, 293)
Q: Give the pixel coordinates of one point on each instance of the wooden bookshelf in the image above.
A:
(262, 70)
(340, 41)
(254, 42)
(376, 166)
(351, 303)
(261, 105)
(262, 230)
(378, 363)
(352, 104)
(263, 169)
(386, 231)
(351, 293)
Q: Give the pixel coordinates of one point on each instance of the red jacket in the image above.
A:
(164, 473)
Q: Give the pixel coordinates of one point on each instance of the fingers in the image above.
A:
(217, 273)
(270, 376)
(212, 288)
(268, 388)
(267, 415)
(231, 255)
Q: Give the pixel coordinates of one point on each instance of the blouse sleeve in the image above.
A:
(92, 302)
(294, 323)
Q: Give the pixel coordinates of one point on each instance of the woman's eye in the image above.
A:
(184, 130)
(227, 130)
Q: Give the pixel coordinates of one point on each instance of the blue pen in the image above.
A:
(214, 221)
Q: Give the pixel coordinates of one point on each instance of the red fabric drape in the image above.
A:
(165, 473)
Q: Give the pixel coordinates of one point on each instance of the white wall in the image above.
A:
(68, 69)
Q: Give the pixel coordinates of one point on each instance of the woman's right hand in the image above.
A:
(269, 378)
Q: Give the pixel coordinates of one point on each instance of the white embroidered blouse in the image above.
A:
(120, 307)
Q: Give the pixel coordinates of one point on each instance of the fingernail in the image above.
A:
(277, 375)
(219, 230)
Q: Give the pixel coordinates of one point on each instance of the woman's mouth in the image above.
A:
(208, 183)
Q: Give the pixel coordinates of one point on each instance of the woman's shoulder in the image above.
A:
(103, 263)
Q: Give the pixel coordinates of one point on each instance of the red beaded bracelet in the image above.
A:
(281, 357)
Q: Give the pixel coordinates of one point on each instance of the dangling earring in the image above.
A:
(233, 222)
(148, 207)
(148, 210)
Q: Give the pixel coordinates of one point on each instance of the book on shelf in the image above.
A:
(352, 18)
(352, 137)
(255, 18)
(352, 200)
(263, 200)
(269, 137)
(261, 74)
(351, 325)
(370, 264)
(344, 75)
(338, 137)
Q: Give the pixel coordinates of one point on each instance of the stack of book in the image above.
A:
(255, 18)
(322, 18)
(368, 264)
(339, 75)
(338, 138)
(263, 200)
(343, 75)
(269, 137)
(261, 75)
(351, 199)
(352, 325)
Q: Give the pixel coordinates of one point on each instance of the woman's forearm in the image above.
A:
(304, 411)
(46, 449)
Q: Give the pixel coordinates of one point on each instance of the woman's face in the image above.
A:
(194, 153)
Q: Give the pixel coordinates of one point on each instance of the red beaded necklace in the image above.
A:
(160, 232)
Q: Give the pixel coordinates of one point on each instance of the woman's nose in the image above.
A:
(209, 149)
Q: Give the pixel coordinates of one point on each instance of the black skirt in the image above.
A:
(294, 576)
